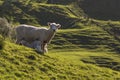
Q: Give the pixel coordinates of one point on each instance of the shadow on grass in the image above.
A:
(103, 62)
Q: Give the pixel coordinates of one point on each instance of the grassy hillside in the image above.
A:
(67, 62)
(91, 34)
(39, 13)
(92, 38)
(18, 62)
(83, 49)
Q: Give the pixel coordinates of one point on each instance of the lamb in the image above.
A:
(35, 45)
(30, 34)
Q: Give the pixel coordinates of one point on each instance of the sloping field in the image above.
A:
(18, 62)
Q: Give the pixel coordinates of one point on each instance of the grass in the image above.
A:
(82, 50)
(92, 38)
(18, 62)
(1, 42)
(70, 61)
(30, 13)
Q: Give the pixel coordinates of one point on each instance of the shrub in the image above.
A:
(4, 27)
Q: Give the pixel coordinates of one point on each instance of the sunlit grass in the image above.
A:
(19, 62)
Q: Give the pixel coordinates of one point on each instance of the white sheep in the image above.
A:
(30, 34)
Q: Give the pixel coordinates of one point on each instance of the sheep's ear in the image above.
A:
(48, 23)
(59, 26)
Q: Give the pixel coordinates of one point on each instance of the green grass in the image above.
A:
(18, 62)
(30, 13)
(84, 49)
(70, 57)
(1, 42)
(92, 38)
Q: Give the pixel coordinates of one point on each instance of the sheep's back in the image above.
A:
(30, 33)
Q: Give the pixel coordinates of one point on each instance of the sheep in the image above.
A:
(35, 45)
(31, 33)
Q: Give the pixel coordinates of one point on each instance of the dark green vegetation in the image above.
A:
(102, 9)
(84, 49)
(1, 42)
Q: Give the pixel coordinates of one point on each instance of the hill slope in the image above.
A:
(83, 45)
(18, 62)
(69, 16)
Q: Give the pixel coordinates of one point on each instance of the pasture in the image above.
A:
(83, 49)
(68, 63)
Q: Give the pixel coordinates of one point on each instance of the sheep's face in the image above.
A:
(54, 26)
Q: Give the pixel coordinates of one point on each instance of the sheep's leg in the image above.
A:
(45, 50)
(18, 41)
(37, 46)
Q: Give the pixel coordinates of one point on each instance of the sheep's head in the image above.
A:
(54, 26)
